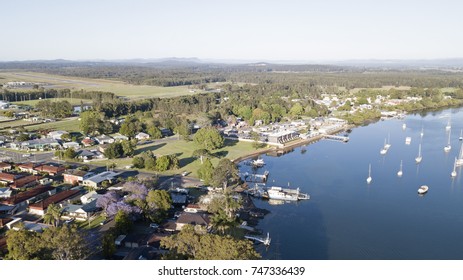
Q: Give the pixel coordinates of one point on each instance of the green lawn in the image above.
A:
(93, 223)
(184, 150)
(118, 87)
(66, 125)
(12, 124)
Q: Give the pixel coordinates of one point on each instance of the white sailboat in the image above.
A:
(460, 156)
(384, 149)
(369, 174)
(448, 126)
(454, 172)
(388, 144)
(461, 135)
(422, 132)
(404, 126)
(400, 172)
(448, 147)
(419, 157)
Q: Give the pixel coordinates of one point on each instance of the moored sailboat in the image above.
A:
(400, 172)
(419, 157)
(369, 174)
(448, 147)
(454, 172)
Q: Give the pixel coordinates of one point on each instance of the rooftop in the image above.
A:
(42, 205)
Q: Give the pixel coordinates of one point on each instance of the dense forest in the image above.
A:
(175, 74)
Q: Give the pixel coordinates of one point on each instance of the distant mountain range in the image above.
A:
(192, 61)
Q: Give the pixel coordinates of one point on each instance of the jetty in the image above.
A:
(266, 241)
(256, 178)
(336, 137)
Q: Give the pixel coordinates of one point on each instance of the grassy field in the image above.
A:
(66, 125)
(76, 83)
(73, 101)
(12, 124)
(184, 150)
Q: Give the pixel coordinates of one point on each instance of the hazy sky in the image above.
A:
(233, 29)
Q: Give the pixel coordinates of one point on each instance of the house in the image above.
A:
(22, 199)
(89, 197)
(96, 180)
(56, 134)
(26, 182)
(27, 167)
(87, 142)
(142, 136)
(5, 192)
(50, 169)
(88, 155)
(45, 181)
(119, 137)
(5, 166)
(38, 144)
(192, 208)
(62, 198)
(178, 199)
(165, 132)
(71, 145)
(192, 219)
(8, 178)
(104, 139)
(76, 176)
(79, 212)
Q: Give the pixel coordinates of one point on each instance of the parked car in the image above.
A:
(154, 225)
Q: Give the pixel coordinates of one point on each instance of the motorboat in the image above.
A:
(423, 189)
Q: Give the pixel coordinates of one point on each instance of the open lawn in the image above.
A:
(69, 125)
(184, 151)
(12, 124)
(118, 87)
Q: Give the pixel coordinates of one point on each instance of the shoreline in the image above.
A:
(293, 144)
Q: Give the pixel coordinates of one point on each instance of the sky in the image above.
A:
(235, 30)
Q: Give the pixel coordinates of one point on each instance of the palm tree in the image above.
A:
(53, 215)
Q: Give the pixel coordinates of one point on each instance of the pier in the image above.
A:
(256, 178)
(336, 137)
(256, 238)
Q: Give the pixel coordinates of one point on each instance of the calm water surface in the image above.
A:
(348, 219)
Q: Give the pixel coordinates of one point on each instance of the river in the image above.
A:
(346, 218)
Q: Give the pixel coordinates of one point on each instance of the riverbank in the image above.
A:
(293, 144)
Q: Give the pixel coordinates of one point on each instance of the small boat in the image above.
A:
(419, 157)
(461, 135)
(404, 126)
(408, 140)
(454, 172)
(388, 143)
(400, 172)
(369, 174)
(448, 147)
(422, 133)
(258, 162)
(460, 156)
(384, 149)
(448, 126)
(423, 189)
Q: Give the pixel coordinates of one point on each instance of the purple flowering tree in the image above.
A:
(131, 210)
(136, 191)
(107, 199)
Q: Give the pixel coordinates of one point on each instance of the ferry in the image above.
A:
(279, 193)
